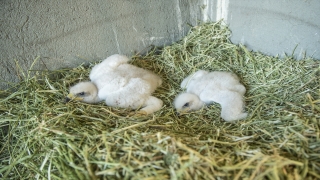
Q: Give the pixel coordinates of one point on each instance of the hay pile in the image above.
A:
(44, 138)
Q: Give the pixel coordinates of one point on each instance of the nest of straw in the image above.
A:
(45, 138)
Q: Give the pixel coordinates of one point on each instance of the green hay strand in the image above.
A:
(45, 138)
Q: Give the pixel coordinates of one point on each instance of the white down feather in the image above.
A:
(203, 88)
(121, 85)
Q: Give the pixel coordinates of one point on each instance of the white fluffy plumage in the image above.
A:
(203, 88)
(120, 84)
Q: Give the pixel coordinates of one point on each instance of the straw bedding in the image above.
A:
(42, 137)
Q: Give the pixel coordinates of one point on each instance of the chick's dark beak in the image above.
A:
(67, 99)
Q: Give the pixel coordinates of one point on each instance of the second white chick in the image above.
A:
(121, 85)
(203, 88)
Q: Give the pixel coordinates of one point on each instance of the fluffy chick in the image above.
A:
(203, 88)
(120, 84)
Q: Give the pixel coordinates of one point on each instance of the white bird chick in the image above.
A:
(120, 84)
(203, 88)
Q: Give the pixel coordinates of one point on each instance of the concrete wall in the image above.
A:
(65, 33)
(277, 26)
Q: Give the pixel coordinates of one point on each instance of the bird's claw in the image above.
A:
(142, 112)
(138, 113)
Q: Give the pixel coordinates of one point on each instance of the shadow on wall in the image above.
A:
(65, 34)
(68, 33)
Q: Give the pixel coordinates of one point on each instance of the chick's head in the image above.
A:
(83, 91)
(186, 102)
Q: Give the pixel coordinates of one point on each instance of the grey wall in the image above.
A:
(65, 33)
(277, 26)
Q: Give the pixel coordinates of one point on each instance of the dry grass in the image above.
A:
(45, 138)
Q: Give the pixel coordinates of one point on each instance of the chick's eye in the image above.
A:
(81, 94)
(185, 105)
